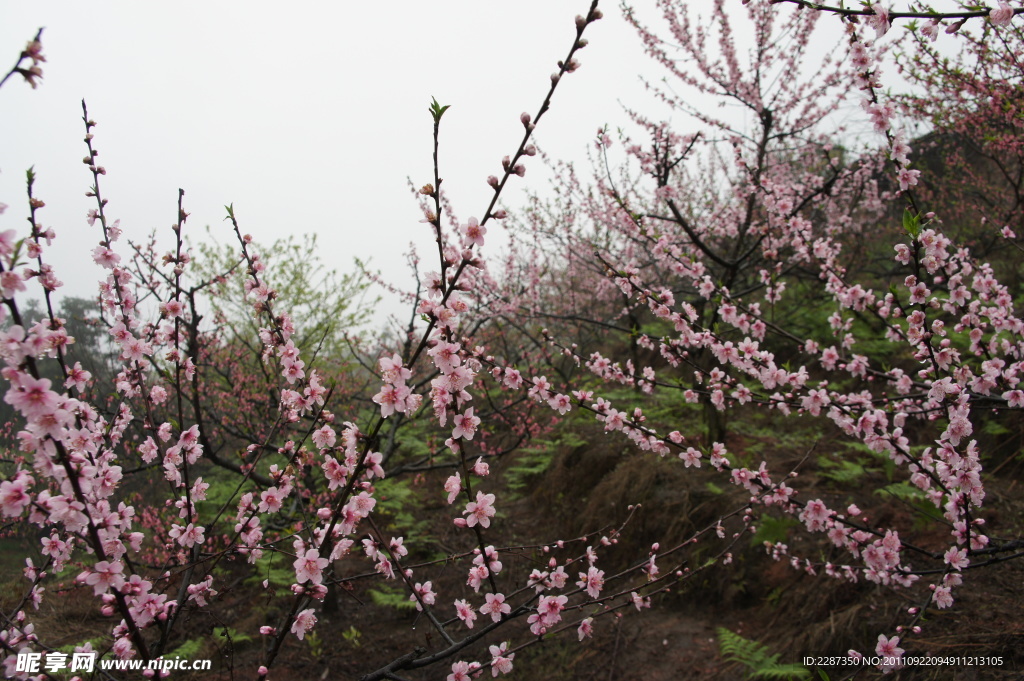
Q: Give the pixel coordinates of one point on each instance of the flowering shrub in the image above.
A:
(728, 256)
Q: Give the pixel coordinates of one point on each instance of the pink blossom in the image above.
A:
(426, 595)
(942, 597)
(392, 398)
(550, 609)
(271, 500)
(473, 233)
(1014, 398)
(33, 397)
(105, 575)
(8, 238)
(477, 575)
(446, 356)
(639, 602)
(14, 495)
(480, 511)
(465, 612)
(392, 370)
(1002, 15)
(815, 514)
(957, 558)
(304, 622)
(308, 567)
(453, 485)
(889, 650)
(201, 591)
(105, 257)
(10, 283)
(188, 536)
(495, 606)
(879, 20)
(592, 581)
(500, 662)
(465, 425)
(461, 671)
(560, 403)
(908, 178)
(324, 437)
(931, 30)
(491, 560)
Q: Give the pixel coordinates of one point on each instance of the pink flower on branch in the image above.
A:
(465, 613)
(473, 233)
(304, 623)
(14, 496)
(586, 628)
(890, 652)
(426, 594)
(879, 20)
(453, 485)
(465, 425)
(592, 581)
(495, 606)
(501, 661)
(463, 671)
(309, 567)
(1002, 15)
(480, 511)
(105, 575)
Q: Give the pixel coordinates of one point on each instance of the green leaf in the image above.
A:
(436, 110)
(391, 597)
(911, 223)
(713, 488)
(773, 529)
(756, 657)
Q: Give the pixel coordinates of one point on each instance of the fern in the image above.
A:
(390, 597)
(236, 637)
(755, 656)
(773, 529)
(190, 649)
(902, 490)
(535, 460)
(844, 471)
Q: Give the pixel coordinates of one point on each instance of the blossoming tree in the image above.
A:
(703, 263)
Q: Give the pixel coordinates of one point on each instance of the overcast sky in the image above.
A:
(306, 116)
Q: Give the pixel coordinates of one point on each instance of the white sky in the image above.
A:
(307, 116)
